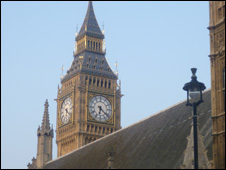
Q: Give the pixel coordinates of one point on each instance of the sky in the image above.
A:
(155, 44)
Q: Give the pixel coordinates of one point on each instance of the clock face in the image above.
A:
(100, 108)
(66, 110)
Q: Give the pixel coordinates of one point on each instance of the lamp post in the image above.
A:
(194, 90)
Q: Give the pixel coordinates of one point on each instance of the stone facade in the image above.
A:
(217, 59)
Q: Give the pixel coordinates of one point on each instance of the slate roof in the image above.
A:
(90, 63)
(157, 142)
(90, 25)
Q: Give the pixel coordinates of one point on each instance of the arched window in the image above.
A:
(105, 84)
(109, 84)
(97, 82)
(90, 80)
(94, 80)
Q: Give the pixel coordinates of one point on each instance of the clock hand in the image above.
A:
(67, 112)
(100, 109)
(104, 112)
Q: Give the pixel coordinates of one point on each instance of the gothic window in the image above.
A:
(90, 80)
(96, 45)
(86, 78)
(99, 46)
(219, 13)
(93, 45)
(87, 129)
(101, 83)
(109, 84)
(97, 82)
(88, 45)
(105, 84)
(94, 80)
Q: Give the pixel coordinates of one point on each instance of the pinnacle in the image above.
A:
(45, 120)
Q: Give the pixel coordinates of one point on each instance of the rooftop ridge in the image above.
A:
(102, 138)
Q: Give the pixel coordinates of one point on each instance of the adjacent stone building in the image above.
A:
(217, 60)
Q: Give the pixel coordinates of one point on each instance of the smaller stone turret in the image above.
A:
(188, 162)
(45, 135)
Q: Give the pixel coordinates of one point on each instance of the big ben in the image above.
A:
(89, 99)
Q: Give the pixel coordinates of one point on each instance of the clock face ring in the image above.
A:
(66, 110)
(100, 108)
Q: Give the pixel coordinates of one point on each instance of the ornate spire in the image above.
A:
(90, 26)
(45, 120)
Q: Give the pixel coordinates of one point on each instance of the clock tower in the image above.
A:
(89, 99)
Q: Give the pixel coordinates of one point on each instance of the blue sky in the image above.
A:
(155, 44)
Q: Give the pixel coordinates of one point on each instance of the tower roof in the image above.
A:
(45, 120)
(90, 26)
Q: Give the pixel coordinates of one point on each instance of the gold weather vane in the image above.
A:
(76, 34)
(62, 75)
(62, 68)
(116, 68)
(103, 28)
(76, 30)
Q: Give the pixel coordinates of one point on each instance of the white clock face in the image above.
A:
(100, 108)
(66, 110)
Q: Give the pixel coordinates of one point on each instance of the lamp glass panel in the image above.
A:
(194, 93)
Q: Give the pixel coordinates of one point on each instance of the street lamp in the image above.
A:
(194, 90)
